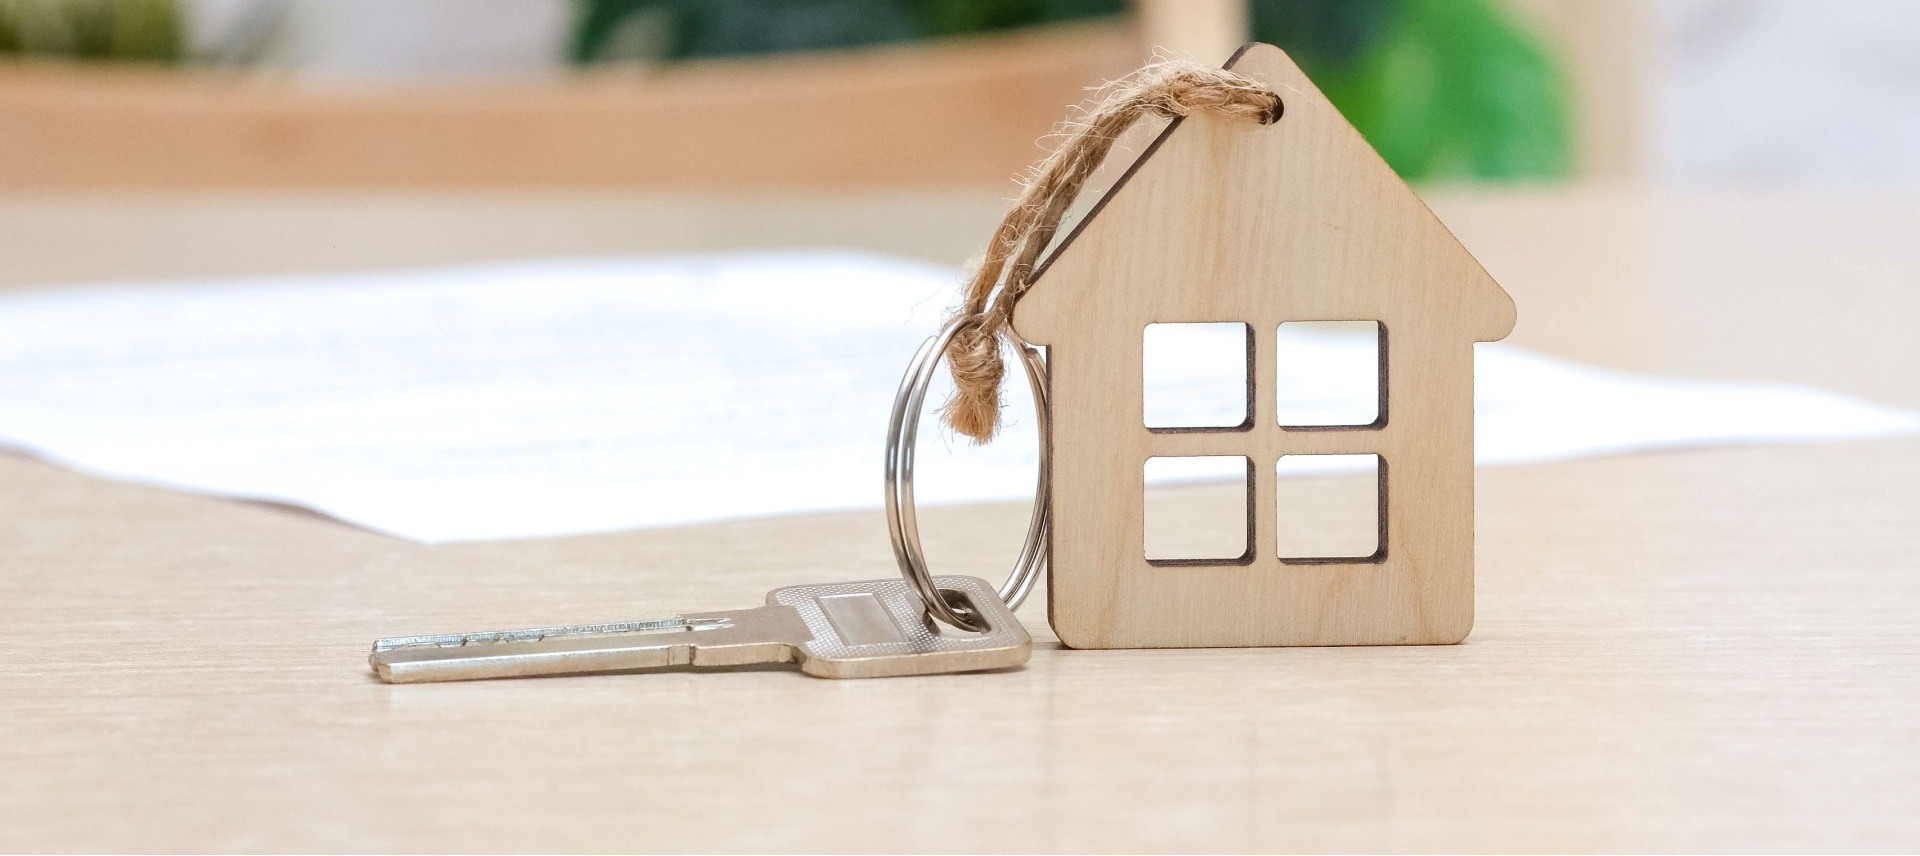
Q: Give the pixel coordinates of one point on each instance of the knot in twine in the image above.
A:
(1168, 89)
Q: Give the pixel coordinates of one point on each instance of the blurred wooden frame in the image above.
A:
(967, 112)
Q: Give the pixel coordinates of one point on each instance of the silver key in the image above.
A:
(840, 630)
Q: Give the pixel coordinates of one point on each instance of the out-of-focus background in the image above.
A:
(703, 94)
(482, 274)
(145, 140)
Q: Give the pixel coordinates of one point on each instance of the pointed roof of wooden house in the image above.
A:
(1216, 215)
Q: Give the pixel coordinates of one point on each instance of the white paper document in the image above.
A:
(555, 398)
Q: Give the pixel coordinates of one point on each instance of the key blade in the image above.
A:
(732, 638)
(454, 640)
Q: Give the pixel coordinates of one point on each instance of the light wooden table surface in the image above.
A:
(1689, 650)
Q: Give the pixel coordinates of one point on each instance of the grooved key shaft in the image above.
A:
(839, 630)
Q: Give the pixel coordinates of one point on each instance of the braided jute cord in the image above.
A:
(1168, 89)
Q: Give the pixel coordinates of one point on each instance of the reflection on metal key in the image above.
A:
(840, 630)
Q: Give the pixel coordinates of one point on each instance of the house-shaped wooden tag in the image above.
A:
(1224, 221)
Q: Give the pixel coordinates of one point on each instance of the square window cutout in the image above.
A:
(1195, 375)
(1330, 373)
(1331, 508)
(1198, 510)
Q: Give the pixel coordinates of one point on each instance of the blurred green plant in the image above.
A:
(127, 30)
(1442, 88)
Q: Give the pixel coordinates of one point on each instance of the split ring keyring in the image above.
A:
(903, 523)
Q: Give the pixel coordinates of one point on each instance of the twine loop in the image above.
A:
(1168, 89)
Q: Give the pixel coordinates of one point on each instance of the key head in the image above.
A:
(877, 629)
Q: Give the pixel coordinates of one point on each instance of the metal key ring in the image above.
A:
(903, 524)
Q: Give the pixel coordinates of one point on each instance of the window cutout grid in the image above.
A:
(1330, 374)
(1331, 509)
(1199, 510)
(1197, 376)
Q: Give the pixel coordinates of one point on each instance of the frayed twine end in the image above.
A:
(974, 358)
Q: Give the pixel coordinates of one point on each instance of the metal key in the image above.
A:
(840, 630)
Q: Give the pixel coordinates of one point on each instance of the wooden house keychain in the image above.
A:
(1258, 204)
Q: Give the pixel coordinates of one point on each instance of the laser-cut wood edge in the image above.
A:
(1379, 375)
(1246, 420)
(1246, 556)
(1379, 554)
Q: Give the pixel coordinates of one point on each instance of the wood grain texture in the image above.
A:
(1296, 221)
(1686, 651)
